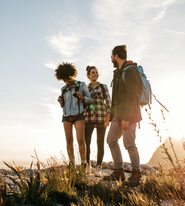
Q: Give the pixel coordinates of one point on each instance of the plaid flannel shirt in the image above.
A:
(97, 111)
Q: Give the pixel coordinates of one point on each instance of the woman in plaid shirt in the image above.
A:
(97, 115)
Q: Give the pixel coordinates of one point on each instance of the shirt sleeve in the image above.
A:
(107, 100)
(86, 93)
(61, 96)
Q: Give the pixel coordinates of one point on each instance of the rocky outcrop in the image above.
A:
(145, 169)
(160, 158)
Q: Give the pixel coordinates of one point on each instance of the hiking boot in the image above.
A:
(83, 166)
(134, 179)
(98, 171)
(116, 175)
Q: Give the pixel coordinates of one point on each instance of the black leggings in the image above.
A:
(89, 127)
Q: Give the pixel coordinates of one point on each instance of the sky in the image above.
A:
(36, 36)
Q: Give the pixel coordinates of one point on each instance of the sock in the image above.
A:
(83, 161)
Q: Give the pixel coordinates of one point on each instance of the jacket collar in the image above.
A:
(126, 63)
(75, 83)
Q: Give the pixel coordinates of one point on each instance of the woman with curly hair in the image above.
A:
(97, 116)
(73, 110)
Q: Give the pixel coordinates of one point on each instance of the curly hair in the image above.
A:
(65, 71)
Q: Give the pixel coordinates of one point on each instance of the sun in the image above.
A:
(170, 92)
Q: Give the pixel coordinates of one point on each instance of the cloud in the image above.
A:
(113, 22)
(66, 45)
(123, 22)
(122, 12)
(163, 5)
(112, 11)
(51, 65)
(174, 32)
(130, 22)
(160, 15)
(49, 102)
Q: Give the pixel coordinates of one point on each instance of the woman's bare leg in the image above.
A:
(80, 133)
(68, 128)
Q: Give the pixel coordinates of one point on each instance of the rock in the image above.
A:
(93, 163)
(104, 165)
(127, 167)
(145, 169)
(159, 157)
(110, 165)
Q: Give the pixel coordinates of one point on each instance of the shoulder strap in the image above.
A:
(160, 103)
(103, 90)
(77, 86)
(63, 91)
(124, 70)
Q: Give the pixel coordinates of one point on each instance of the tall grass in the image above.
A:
(71, 186)
(174, 189)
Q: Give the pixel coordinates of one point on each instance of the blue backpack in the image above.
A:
(146, 92)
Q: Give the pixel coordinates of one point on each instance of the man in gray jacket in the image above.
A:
(125, 112)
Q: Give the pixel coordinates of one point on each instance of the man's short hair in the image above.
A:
(121, 51)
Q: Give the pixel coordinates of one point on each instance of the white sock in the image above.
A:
(83, 161)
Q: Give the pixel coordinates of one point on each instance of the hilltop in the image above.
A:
(160, 157)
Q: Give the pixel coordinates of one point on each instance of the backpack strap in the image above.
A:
(123, 78)
(124, 70)
(160, 103)
(63, 91)
(77, 86)
(76, 89)
(103, 90)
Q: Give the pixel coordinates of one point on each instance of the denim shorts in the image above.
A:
(79, 118)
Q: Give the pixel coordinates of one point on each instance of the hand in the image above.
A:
(124, 125)
(79, 94)
(60, 100)
(106, 123)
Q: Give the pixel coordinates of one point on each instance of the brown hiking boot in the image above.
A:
(116, 175)
(134, 179)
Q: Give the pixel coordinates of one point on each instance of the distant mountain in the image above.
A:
(22, 158)
(159, 157)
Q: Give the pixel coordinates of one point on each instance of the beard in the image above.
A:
(115, 63)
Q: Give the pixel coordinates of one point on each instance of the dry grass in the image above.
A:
(61, 184)
(70, 186)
